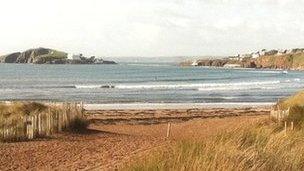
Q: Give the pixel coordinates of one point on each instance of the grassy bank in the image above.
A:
(295, 100)
(262, 145)
(28, 120)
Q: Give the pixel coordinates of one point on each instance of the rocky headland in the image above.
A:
(292, 59)
(50, 56)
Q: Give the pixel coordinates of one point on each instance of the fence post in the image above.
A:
(59, 121)
(29, 127)
(168, 129)
(82, 109)
(277, 115)
(291, 125)
(39, 127)
(285, 127)
(48, 123)
(32, 127)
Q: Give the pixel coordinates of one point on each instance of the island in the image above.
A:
(287, 59)
(50, 56)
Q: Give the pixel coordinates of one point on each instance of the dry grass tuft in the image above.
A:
(295, 100)
(16, 120)
(78, 125)
(20, 108)
(295, 104)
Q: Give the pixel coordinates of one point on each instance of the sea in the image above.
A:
(128, 83)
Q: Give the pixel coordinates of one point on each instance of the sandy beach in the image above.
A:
(152, 106)
(115, 137)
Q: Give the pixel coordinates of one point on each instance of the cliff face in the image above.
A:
(245, 63)
(39, 56)
(10, 58)
(289, 61)
(293, 61)
(214, 63)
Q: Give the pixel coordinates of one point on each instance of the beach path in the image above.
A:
(109, 145)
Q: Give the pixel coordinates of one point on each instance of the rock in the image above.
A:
(40, 56)
(10, 58)
(107, 86)
(212, 62)
(109, 62)
(186, 63)
(49, 56)
(36, 56)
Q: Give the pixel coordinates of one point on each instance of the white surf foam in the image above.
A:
(94, 86)
(88, 86)
(265, 72)
(122, 106)
(231, 88)
(199, 86)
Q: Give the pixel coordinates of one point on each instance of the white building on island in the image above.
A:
(75, 56)
(194, 63)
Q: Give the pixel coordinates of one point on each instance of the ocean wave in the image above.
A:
(147, 64)
(265, 72)
(93, 86)
(254, 85)
(236, 88)
(230, 98)
(199, 86)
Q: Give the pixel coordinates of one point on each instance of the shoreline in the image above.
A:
(156, 106)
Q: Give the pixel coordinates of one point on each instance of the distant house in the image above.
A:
(297, 50)
(281, 52)
(236, 58)
(262, 52)
(255, 55)
(77, 56)
(271, 52)
(232, 66)
(194, 63)
(288, 51)
(246, 56)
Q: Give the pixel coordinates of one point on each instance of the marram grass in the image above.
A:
(262, 146)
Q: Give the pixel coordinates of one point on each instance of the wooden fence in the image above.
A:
(279, 114)
(56, 118)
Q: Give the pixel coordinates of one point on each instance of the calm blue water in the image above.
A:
(144, 83)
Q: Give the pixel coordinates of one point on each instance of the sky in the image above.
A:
(151, 27)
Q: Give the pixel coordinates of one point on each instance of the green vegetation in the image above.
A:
(259, 146)
(55, 54)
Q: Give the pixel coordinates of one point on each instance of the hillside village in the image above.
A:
(292, 59)
(264, 52)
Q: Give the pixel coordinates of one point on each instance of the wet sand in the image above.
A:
(156, 116)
